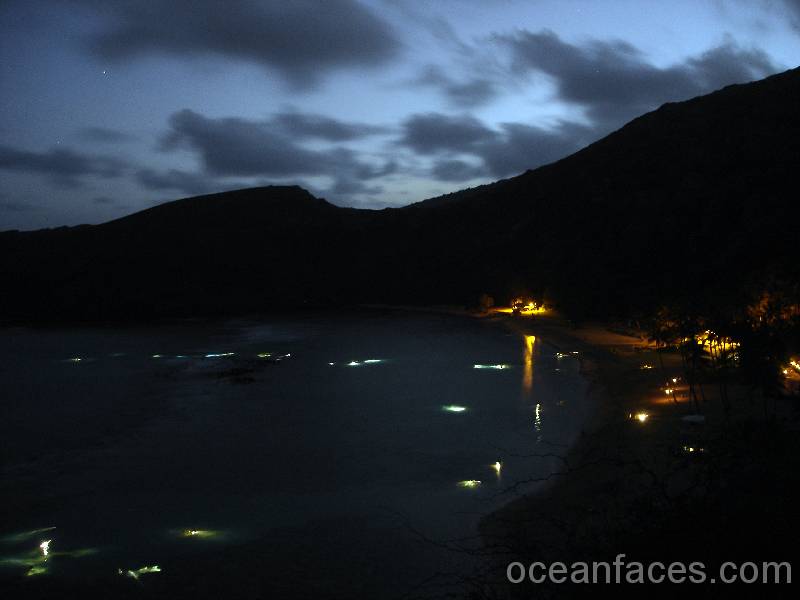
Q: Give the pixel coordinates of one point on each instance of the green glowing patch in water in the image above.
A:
(454, 408)
(136, 573)
(79, 553)
(199, 534)
(469, 483)
(16, 538)
(264, 354)
(37, 570)
(17, 561)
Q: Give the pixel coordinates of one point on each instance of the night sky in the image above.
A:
(110, 107)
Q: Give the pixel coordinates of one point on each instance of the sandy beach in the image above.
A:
(637, 461)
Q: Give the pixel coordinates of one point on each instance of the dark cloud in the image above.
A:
(794, 12)
(103, 200)
(431, 133)
(345, 186)
(193, 184)
(305, 125)
(512, 149)
(522, 147)
(614, 82)
(105, 135)
(465, 94)
(15, 207)
(64, 167)
(233, 147)
(301, 39)
(457, 170)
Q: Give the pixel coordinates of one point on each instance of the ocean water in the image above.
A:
(322, 456)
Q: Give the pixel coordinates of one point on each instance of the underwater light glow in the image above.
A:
(497, 466)
(134, 574)
(36, 570)
(469, 483)
(21, 537)
(221, 354)
(353, 363)
(198, 533)
(454, 408)
(502, 366)
(45, 547)
(264, 354)
(371, 361)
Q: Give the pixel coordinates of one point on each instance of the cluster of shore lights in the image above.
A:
(498, 367)
(529, 308)
(640, 416)
(794, 364)
(711, 342)
(645, 366)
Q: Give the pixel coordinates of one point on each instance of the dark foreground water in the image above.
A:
(328, 466)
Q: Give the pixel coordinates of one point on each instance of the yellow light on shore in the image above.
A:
(639, 416)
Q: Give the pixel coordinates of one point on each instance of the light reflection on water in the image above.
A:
(301, 447)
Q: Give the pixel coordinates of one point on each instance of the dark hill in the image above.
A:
(695, 200)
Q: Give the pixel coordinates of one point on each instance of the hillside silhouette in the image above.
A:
(695, 200)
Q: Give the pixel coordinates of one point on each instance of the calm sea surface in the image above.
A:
(328, 466)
